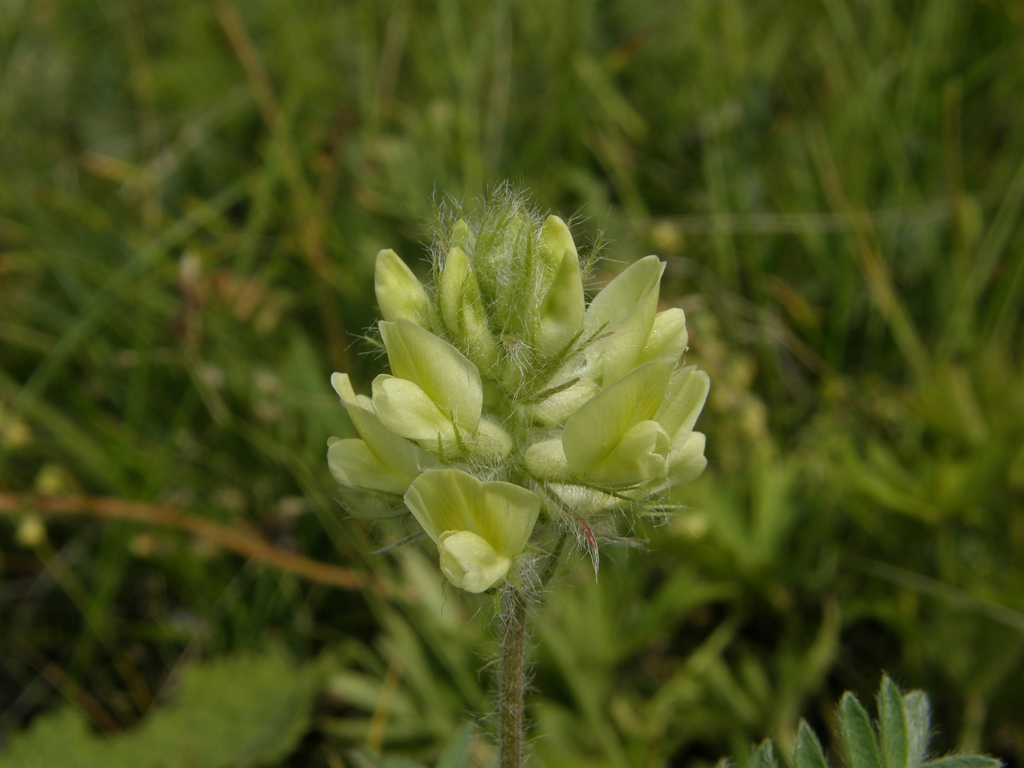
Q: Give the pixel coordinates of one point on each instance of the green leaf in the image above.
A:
(892, 724)
(764, 756)
(808, 752)
(56, 738)
(858, 736)
(240, 712)
(963, 761)
(918, 713)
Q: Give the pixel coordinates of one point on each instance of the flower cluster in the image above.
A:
(512, 401)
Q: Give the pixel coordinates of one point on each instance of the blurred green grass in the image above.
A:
(191, 197)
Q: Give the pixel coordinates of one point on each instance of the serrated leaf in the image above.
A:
(808, 753)
(239, 712)
(892, 725)
(56, 738)
(764, 756)
(963, 761)
(919, 715)
(858, 736)
(245, 710)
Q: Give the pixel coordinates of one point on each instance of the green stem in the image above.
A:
(513, 678)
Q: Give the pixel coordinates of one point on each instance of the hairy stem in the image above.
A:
(513, 678)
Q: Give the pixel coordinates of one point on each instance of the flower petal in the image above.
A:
(557, 407)
(624, 313)
(446, 375)
(406, 410)
(668, 337)
(394, 452)
(469, 562)
(684, 399)
(687, 461)
(622, 295)
(593, 432)
(640, 456)
(452, 500)
(353, 464)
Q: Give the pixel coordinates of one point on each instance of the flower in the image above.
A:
(380, 460)
(637, 431)
(478, 527)
(512, 406)
(630, 329)
(434, 395)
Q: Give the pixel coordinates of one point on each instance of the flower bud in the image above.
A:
(560, 319)
(545, 459)
(492, 442)
(462, 309)
(399, 292)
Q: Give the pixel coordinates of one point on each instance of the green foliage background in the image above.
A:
(191, 198)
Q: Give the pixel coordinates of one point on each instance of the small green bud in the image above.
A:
(399, 292)
(545, 459)
(562, 310)
(556, 239)
(493, 443)
(461, 237)
(462, 309)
